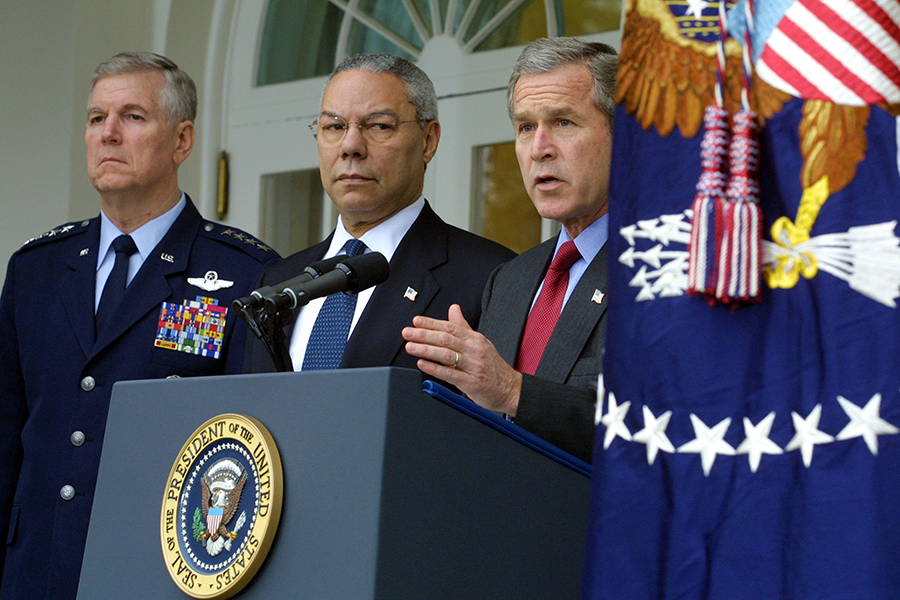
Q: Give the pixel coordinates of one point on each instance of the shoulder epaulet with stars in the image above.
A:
(60, 232)
(237, 238)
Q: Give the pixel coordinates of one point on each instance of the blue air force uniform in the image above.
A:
(174, 320)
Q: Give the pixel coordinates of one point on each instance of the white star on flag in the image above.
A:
(614, 421)
(757, 442)
(695, 7)
(708, 442)
(654, 434)
(865, 422)
(808, 434)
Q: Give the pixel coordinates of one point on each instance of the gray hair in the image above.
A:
(419, 89)
(548, 54)
(178, 97)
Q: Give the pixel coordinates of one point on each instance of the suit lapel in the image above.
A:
(513, 301)
(76, 287)
(576, 323)
(376, 339)
(150, 286)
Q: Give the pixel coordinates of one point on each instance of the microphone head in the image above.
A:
(365, 271)
(324, 266)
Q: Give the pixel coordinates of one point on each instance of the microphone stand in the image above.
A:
(268, 326)
(273, 323)
(278, 311)
(268, 321)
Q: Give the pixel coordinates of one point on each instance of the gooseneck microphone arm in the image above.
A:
(257, 298)
(351, 276)
(267, 310)
(269, 328)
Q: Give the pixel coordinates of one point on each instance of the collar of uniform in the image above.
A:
(145, 237)
(384, 237)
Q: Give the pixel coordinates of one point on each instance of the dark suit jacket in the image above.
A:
(558, 402)
(444, 264)
(57, 379)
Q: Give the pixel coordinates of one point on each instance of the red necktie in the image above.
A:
(545, 312)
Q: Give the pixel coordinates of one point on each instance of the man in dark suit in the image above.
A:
(376, 132)
(142, 291)
(537, 354)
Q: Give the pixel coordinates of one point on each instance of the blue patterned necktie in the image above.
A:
(328, 337)
(115, 285)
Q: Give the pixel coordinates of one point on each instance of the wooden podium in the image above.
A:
(389, 493)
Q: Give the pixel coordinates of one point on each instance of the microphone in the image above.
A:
(353, 275)
(257, 298)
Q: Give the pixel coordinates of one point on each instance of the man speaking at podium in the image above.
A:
(537, 354)
(141, 292)
(376, 132)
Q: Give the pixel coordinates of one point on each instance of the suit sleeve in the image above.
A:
(561, 413)
(13, 409)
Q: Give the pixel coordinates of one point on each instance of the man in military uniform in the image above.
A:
(103, 300)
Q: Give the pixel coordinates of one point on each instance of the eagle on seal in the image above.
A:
(222, 486)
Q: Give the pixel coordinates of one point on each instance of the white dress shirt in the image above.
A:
(589, 242)
(384, 238)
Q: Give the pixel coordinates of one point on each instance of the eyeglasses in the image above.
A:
(376, 129)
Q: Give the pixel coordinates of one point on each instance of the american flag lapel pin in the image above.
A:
(410, 294)
(597, 297)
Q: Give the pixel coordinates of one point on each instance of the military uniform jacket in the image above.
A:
(57, 377)
(558, 402)
(441, 264)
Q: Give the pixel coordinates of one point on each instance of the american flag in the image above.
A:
(843, 51)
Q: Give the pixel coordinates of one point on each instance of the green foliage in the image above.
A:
(199, 525)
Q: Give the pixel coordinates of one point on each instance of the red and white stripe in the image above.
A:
(843, 51)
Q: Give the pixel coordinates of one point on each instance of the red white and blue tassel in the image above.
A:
(708, 207)
(742, 231)
(742, 234)
(709, 201)
(727, 224)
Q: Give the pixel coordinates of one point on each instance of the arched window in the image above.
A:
(306, 38)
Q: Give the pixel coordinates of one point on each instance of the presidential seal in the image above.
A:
(221, 506)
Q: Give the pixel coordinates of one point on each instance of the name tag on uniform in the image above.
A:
(195, 327)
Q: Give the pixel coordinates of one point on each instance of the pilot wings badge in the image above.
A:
(222, 485)
(210, 282)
